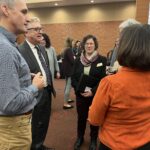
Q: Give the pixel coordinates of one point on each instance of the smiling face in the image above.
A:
(34, 33)
(89, 46)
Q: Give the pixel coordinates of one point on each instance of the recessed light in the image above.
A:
(56, 4)
(92, 1)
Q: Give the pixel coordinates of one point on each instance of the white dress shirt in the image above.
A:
(34, 50)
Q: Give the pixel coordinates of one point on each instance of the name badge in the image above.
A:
(99, 64)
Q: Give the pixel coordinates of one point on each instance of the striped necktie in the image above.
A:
(44, 65)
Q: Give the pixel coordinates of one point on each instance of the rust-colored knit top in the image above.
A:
(121, 107)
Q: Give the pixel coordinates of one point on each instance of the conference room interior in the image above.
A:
(76, 18)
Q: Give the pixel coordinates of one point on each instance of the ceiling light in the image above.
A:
(92, 1)
(41, 1)
(56, 4)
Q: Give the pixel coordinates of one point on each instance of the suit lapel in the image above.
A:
(31, 55)
(44, 53)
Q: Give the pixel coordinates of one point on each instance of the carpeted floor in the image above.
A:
(62, 128)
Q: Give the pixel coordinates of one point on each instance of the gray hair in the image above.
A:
(34, 19)
(128, 23)
(9, 3)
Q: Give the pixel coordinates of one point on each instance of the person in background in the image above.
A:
(36, 57)
(121, 106)
(53, 64)
(67, 64)
(111, 59)
(18, 95)
(114, 65)
(77, 48)
(94, 65)
(59, 60)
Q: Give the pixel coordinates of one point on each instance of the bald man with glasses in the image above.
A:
(37, 59)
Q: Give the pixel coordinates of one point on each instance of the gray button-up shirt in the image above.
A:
(17, 94)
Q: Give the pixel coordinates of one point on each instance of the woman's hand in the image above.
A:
(87, 93)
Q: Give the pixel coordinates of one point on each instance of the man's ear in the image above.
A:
(4, 8)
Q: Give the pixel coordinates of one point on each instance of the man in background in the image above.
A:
(17, 93)
(114, 65)
(36, 57)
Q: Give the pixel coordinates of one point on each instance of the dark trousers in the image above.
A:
(103, 147)
(144, 147)
(83, 105)
(40, 120)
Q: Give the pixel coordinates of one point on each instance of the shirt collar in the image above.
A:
(10, 36)
(30, 44)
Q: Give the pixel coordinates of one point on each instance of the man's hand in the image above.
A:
(38, 80)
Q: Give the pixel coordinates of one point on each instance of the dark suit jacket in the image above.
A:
(28, 55)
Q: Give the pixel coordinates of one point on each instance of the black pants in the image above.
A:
(103, 147)
(83, 105)
(40, 120)
(144, 147)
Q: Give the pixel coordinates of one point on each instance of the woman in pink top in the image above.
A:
(121, 106)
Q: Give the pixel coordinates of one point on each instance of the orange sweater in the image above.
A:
(121, 107)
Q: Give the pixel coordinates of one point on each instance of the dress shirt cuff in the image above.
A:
(34, 90)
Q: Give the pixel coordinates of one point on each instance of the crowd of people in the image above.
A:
(115, 102)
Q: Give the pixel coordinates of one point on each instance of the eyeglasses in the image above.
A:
(36, 29)
(87, 44)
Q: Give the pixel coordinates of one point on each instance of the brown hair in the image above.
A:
(87, 38)
(68, 42)
(134, 47)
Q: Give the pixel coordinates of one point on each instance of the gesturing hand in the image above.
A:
(38, 80)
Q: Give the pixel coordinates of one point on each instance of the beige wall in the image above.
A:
(88, 13)
(100, 20)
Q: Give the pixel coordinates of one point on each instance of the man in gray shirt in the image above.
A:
(17, 93)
